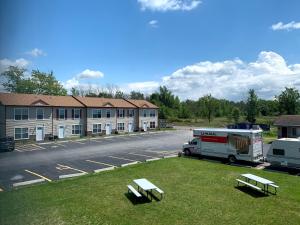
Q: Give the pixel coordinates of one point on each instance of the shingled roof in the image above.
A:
(104, 102)
(142, 104)
(288, 120)
(14, 99)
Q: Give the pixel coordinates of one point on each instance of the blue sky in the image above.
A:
(188, 46)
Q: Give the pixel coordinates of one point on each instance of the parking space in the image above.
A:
(29, 148)
(13, 179)
(47, 162)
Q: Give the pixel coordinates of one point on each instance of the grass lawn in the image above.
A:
(197, 192)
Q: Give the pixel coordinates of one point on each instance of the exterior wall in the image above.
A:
(289, 132)
(68, 122)
(2, 120)
(31, 123)
(147, 119)
(103, 120)
(126, 120)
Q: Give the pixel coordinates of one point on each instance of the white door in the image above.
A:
(108, 128)
(145, 126)
(130, 127)
(39, 133)
(61, 132)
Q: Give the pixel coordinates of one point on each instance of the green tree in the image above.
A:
(119, 94)
(38, 83)
(136, 95)
(46, 84)
(251, 106)
(288, 101)
(210, 106)
(236, 114)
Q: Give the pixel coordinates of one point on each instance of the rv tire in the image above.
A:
(231, 159)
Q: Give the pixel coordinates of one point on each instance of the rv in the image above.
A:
(285, 152)
(233, 144)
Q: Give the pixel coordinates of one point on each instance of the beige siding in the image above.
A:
(31, 123)
(2, 121)
(147, 119)
(103, 120)
(68, 122)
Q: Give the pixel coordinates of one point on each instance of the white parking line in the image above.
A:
(39, 175)
(38, 146)
(70, 175)
(69, 167)
(141, 155)
(123, 158)
(97, 141)
(101, 163)
(79, 142)
(28, 182)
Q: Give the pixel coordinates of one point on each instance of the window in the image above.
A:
(21, 114)
(96, 128)
(108, 113)
(294, 131)
(39, 114)
(120, 113)
(61, 114)
(144, 113)
(121, 126)
(21, 133)
(130, 112)
(152, 113)
(152, 124)
(277, 151)
(76, 113)
(76, 129)
(96, 113)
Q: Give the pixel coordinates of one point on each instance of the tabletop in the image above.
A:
(144, 184)
(257, 178)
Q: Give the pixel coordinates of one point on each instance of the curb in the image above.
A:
(104, 169)
(28, 182)
(71, 175)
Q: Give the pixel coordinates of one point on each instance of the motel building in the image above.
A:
(45, 117)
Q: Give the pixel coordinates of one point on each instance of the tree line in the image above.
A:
(18, 80)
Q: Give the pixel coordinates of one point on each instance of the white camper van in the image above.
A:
(285, 152)
(233, 144)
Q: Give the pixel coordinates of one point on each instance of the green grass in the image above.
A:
(197, 192)
(269, 136)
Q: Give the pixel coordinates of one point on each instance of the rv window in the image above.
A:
(277, 151)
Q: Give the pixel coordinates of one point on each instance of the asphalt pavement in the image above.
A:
(45, 162)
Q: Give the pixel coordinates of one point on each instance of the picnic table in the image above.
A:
(258, 180)
(147, 186)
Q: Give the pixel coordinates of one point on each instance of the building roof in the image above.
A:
(38, 100)
(104, 102)
(142, 104)
(288, 120)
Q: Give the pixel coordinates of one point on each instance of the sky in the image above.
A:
(221, 47)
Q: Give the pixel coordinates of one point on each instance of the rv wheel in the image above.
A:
(187, 152)
(231, 159)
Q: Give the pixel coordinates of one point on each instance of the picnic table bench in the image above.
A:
(258, 180)
(144, 185)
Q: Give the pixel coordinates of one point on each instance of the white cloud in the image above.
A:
(90, 74)
(147, 87)
(168, 5)
(36, 52)
(230, 79)
(288, 26)
(153, 23)
(5, 63)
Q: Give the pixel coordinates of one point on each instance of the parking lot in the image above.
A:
(46, 162)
